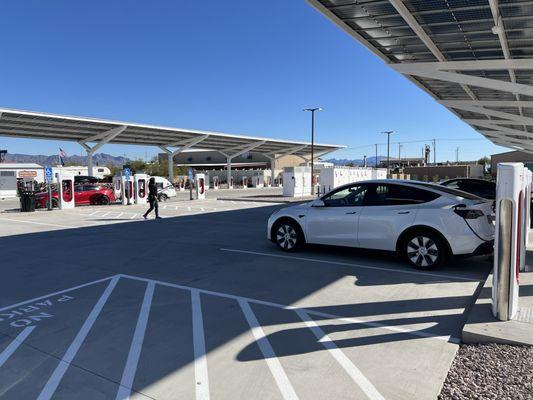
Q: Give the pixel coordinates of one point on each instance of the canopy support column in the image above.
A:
(100, 139)
(183, 145)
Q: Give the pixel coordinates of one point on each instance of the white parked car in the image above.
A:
(423, 222)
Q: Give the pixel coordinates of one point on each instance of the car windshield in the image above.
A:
(453, 192)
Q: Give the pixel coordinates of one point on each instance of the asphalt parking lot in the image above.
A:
(97, 303)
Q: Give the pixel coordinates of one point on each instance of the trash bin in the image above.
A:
(27, 201)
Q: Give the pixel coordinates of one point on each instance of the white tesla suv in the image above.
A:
(423, 222)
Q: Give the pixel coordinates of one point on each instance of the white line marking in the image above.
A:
(14, 345)
(400, 271)
(200, 359)
(201, 209)
(272, 361)
(64, 363)
(188, 208)
(126, 383)
(354, 372)
(119, 215)
(105, 214)
(372, 324)
(57, 293)
(164, 207)
(38, 223)
(133, 216)
(94, 212)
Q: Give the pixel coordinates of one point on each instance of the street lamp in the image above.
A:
(312, 110)
(388, 150)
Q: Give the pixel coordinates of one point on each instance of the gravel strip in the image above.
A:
(490, 371)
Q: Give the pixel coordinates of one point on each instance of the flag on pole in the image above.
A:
(62, 156)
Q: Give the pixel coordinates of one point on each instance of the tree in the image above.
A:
(484, 160)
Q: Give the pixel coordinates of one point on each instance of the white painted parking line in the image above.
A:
(94, 212)
(373, 324)
(105, 214)
(126, 383)
(272, 361)
(64, 363)
(317, 260)
(58, 293)
(354, 372)
(119, 215)
(14, 345)
(38, 223)
(200, 359)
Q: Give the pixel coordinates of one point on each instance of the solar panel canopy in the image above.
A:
(92, 133)
(475, 57)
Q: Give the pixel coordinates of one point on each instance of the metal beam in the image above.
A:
(487, 103)
(104, 137)
(423, 36)
(106, 134)
(188, 142)
(241, 150)
(472, 65)
(288, 152)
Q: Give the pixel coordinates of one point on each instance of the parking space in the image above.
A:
(200, 305)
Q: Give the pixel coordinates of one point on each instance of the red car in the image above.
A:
(83, 194)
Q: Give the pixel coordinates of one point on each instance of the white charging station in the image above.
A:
(216, 183)
(140, 185)
(66, 191)
(117, 186)
(127, 190)
(513, 189)
(258, 181)
(200, 186)
(297, 181)
(230, 184)
(181, 185)
(245, 182)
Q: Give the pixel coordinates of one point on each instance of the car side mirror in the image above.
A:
(318, 203)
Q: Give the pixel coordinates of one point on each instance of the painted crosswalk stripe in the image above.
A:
(64, 363)
(126, 383)
(357, 376)
(200, 359)
(14, 345)
(273, 363)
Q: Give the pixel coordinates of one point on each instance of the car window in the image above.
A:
(448, 190)
(394, 195)
(346, 197)
(159, 185)
(451, 184)
(78, 188)
(90, 187)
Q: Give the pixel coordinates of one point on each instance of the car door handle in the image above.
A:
(352, 212)
(404, 212)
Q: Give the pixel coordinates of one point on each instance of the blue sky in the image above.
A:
(238, 66)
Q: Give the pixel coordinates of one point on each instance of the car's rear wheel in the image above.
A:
(287, 235)
(104, 201)
(162, 197)
(424, 249)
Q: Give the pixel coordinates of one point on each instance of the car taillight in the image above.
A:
(467, 214)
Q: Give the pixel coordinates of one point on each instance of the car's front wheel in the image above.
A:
(287, 235)
(104, 201)
(424, 250)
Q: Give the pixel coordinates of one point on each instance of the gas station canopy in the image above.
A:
(36, 125)
(475, 57)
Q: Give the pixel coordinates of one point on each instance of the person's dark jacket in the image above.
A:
(152, 191)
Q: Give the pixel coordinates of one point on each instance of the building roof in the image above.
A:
(37, 125)
(475, 57)
(20, 165)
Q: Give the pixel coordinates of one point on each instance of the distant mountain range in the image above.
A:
(370, 161)
(99, 159)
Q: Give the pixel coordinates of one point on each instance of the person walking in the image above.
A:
(152, 199)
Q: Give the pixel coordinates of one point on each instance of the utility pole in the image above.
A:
(434, 151)
(364, 161)
(399, 157)
(457, 155)
(388, 150)
(376, 162)
(312, 110)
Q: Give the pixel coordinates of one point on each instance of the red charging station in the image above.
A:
(66, 190)
(140, 188)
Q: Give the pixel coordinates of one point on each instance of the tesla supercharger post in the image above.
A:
(512, 193)
(215, 183)
(200, 186)
(258, 181)
(127, 187)
(66, 190)
(230, 183)
(117, 186)
(141, 188)
(245, 182)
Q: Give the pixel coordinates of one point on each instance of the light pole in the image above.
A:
(388, 150)
(312, 110)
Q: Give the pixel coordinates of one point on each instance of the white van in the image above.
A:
(165, 189)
